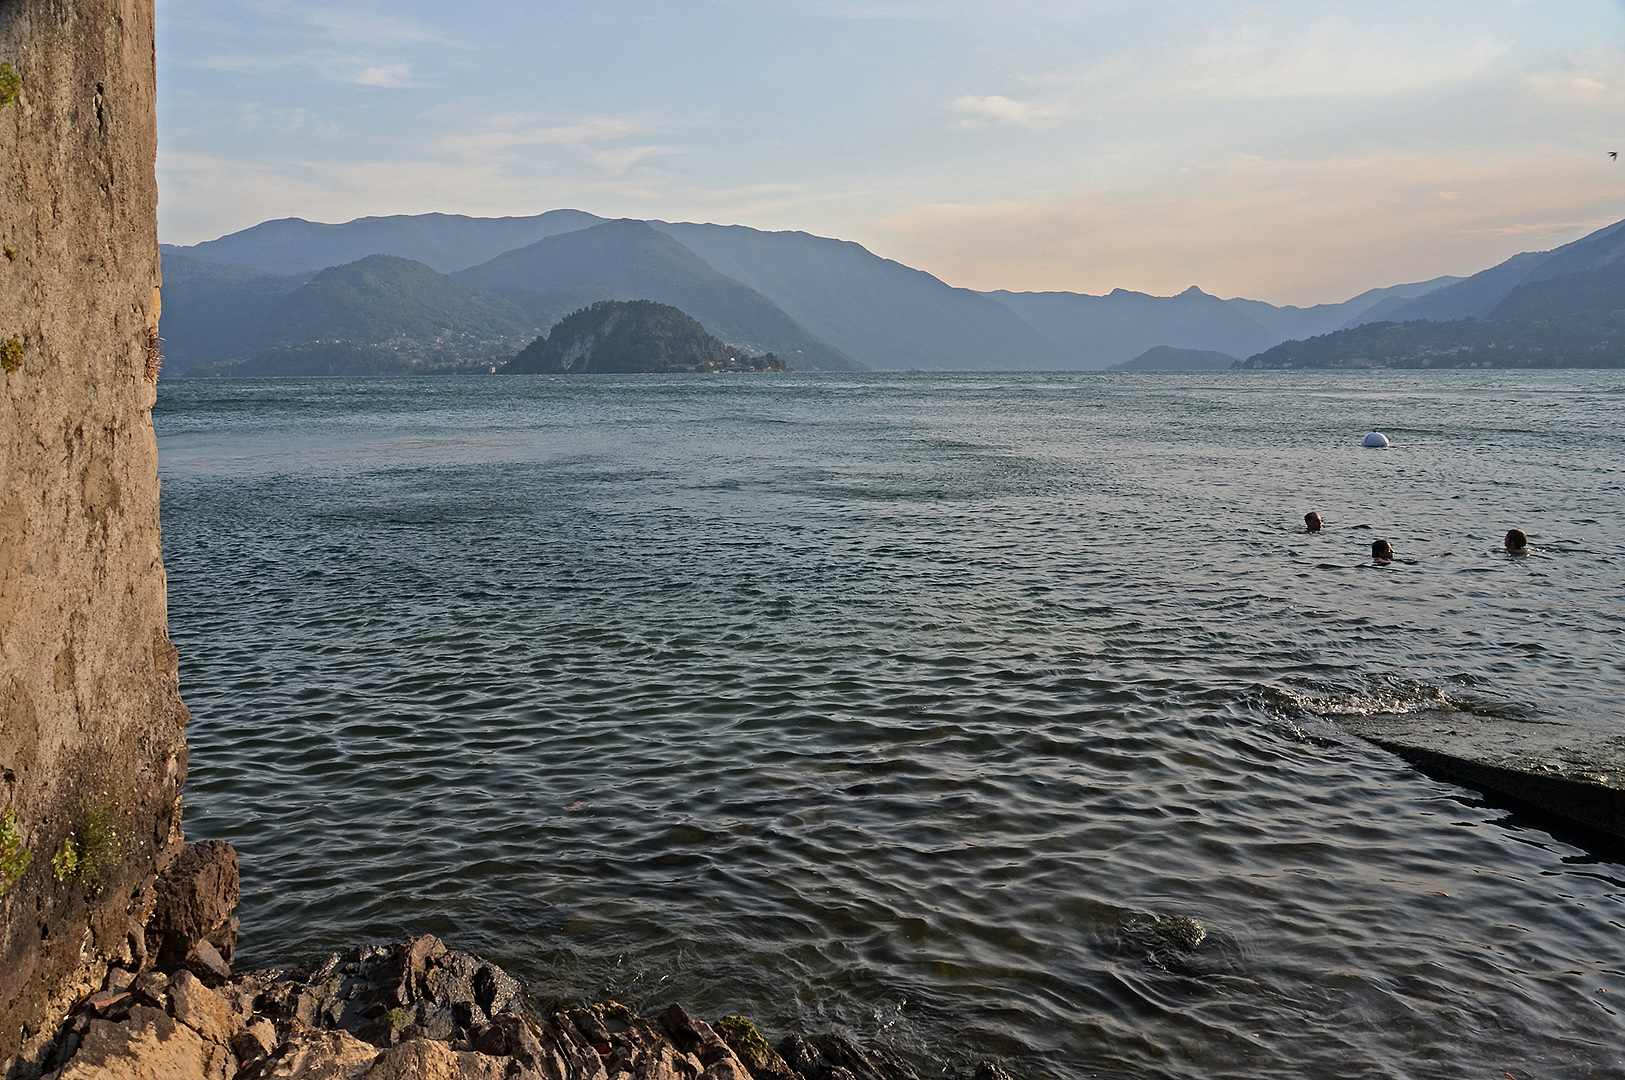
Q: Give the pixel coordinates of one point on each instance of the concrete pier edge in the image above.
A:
(1573, 772)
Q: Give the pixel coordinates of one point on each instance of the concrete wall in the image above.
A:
(92, 729)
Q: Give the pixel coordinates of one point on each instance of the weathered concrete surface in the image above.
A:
(1573, 771)
(92, 746)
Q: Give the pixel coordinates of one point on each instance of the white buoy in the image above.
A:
(1376, 440)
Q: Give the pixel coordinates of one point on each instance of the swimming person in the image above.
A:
(1311, 522)
(1517, 542)
(1382, 551)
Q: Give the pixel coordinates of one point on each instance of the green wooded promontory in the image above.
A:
(632, 336)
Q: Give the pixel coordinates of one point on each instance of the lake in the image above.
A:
(973, 715)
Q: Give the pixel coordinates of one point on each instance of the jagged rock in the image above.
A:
(151, 988)
(314, 1055)
(109, 1004)
(628, 1044)
(531, 1046)
(592, 1029)
(68, 1039)
(205, 961)
(244, 994)
(418, 989)
(419, 1011)
(834, 1057)
(196, 897)
(201, 1009)
(423, 1059)
(700, 1039)
(149, 1045)
(408, 968)
(254, 1041)
(753, 1051)
(582, 1059)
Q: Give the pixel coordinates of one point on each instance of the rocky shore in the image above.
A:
(414, 1009)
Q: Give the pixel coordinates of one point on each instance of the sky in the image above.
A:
(1295, 152)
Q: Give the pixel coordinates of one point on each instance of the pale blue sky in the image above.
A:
(1289, 151)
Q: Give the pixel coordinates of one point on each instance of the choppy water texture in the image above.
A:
(927, 708)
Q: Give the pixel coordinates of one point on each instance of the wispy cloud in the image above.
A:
(351, 24)
(389, 75)
(1595, 77)
(981, 112)
(259, 117)
(619, 160)
(1330, 57)
(602, 141)
(501, 134)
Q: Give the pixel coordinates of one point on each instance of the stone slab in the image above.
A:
(1573, 771)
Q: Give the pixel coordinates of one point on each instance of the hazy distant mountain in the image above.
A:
(218, 314)
(1478, 295)
(1164, 358)
(382, 297)
(1566, 310)
(1296, 322)
(880, 312)
(213, 311)
(1600, 290)
(1099, 331)
(629, 260)
(446, 242)
(1095, 331)
(628, 337)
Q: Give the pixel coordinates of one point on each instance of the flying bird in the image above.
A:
(1614, 154)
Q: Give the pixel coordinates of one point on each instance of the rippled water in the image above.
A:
(928, 708)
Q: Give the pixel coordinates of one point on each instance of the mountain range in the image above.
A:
(1574, 317)
(447, 292)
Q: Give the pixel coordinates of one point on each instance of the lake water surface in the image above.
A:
(935, 709)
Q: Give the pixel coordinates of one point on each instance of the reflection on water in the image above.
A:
(975, 715)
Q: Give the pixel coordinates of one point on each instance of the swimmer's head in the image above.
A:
(1518, 542)
(1382, 551)
(1311, 522)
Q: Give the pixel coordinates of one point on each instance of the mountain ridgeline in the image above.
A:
(443, 293)
(630, 260)
(1574, 319)
(632, 337)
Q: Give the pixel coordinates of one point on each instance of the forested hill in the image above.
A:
(632, 336)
